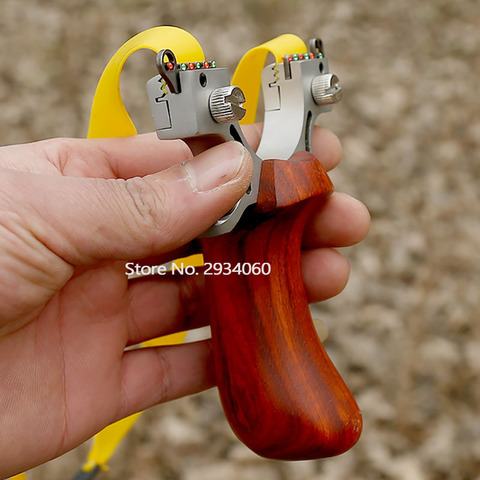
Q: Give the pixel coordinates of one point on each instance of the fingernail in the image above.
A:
(215, 167)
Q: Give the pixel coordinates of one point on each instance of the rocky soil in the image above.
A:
(406, 331)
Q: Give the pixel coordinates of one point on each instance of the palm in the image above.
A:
(74, 346)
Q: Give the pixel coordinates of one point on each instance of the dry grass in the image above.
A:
(406, 331)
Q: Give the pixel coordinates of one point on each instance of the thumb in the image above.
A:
(88, 219)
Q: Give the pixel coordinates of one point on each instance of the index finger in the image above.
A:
(144, 154)
(325, 144)
(138, 155)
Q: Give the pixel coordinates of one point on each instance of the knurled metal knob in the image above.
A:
(226, 104)
(326, 90)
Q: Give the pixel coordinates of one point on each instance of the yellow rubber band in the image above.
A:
(247, 74)
(106, 441)
(109, 118)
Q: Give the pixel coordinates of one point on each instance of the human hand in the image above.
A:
(71, 213)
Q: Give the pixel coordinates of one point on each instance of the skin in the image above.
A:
(72, 212)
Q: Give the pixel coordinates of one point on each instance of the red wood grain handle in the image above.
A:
(280, 391)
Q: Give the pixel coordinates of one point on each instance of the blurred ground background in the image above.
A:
(405, 333)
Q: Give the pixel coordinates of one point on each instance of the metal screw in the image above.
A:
(226, 104)
(326, 90)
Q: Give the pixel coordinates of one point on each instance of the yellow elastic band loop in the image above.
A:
(247, 74)
(20, 476)
(105, 443)
(109, 118)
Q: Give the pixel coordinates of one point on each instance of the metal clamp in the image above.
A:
(295, 93)
(191, 99)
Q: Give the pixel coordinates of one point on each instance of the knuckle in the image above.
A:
(147, 202)
(59, 152)
(163, 373)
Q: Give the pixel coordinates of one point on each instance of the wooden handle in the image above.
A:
(281, 393)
